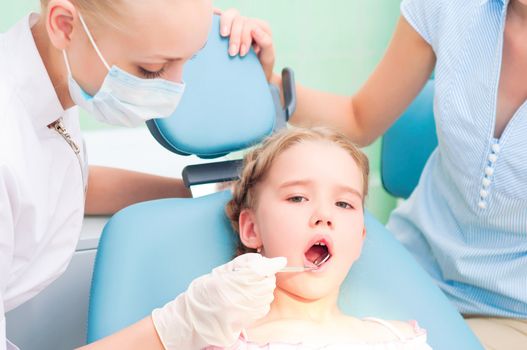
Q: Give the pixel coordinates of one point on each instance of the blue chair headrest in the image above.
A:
(227, 104)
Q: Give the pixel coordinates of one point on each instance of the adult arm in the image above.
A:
(141, 335)
(395, 82)
(213, 311)
(111, 189)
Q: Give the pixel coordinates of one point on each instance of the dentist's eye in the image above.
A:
(297, 199)
(344, 205)
(151, 75)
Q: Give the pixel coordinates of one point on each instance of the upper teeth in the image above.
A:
(320, 243)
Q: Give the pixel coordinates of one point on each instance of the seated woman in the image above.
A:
(300, 202)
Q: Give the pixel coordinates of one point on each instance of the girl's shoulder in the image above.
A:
(345, 328)
(394, 330)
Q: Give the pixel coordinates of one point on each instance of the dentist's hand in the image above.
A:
(218, 306)
(246, 32)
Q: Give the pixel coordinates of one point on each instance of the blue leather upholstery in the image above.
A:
(217, 99)
(185, 238)
(149, 252)
(407, 145)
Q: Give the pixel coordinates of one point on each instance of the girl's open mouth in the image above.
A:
(318, 253)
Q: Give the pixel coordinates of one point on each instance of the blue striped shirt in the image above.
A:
(466, 222)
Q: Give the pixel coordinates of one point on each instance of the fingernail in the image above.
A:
(243, 50)
(224, 31)
(233, 50)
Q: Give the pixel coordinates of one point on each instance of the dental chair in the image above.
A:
(151, 251)
(407, 145)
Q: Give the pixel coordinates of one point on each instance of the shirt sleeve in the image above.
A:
(7, 228)
(424, 16)
(3, 340)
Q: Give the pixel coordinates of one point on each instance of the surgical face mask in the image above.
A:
(123, 98)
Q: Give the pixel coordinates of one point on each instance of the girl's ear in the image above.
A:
(249, 234)
(60, 19)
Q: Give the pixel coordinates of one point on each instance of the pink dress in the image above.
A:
(415, 342)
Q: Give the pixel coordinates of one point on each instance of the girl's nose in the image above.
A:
(323, 222)
(321, 218)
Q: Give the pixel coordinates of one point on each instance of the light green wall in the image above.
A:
(12, 10)
(331, 45)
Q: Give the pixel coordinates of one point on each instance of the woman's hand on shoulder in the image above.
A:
(244, 33)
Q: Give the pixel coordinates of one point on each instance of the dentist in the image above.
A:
(121, 61)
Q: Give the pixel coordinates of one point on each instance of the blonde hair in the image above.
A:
(257, 162)
(96, 10)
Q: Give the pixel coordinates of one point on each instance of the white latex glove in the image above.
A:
(216, 307)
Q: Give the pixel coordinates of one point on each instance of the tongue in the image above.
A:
(316, 252)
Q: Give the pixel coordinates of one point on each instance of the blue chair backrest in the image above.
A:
(407, 145)
(150, 252)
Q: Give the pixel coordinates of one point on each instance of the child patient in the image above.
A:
(300, 196)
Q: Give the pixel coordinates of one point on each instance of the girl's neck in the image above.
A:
(53, 62)
(288, 306)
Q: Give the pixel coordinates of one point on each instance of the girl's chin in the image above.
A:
(307, 291)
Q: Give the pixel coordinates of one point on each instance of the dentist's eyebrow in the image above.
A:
(177, 58)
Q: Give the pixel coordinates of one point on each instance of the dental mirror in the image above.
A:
(318, 262)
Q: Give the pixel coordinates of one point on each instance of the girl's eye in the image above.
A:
(344, 205)
(297, 199)
(151, 75)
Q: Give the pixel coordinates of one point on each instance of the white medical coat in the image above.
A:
(41, 183)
